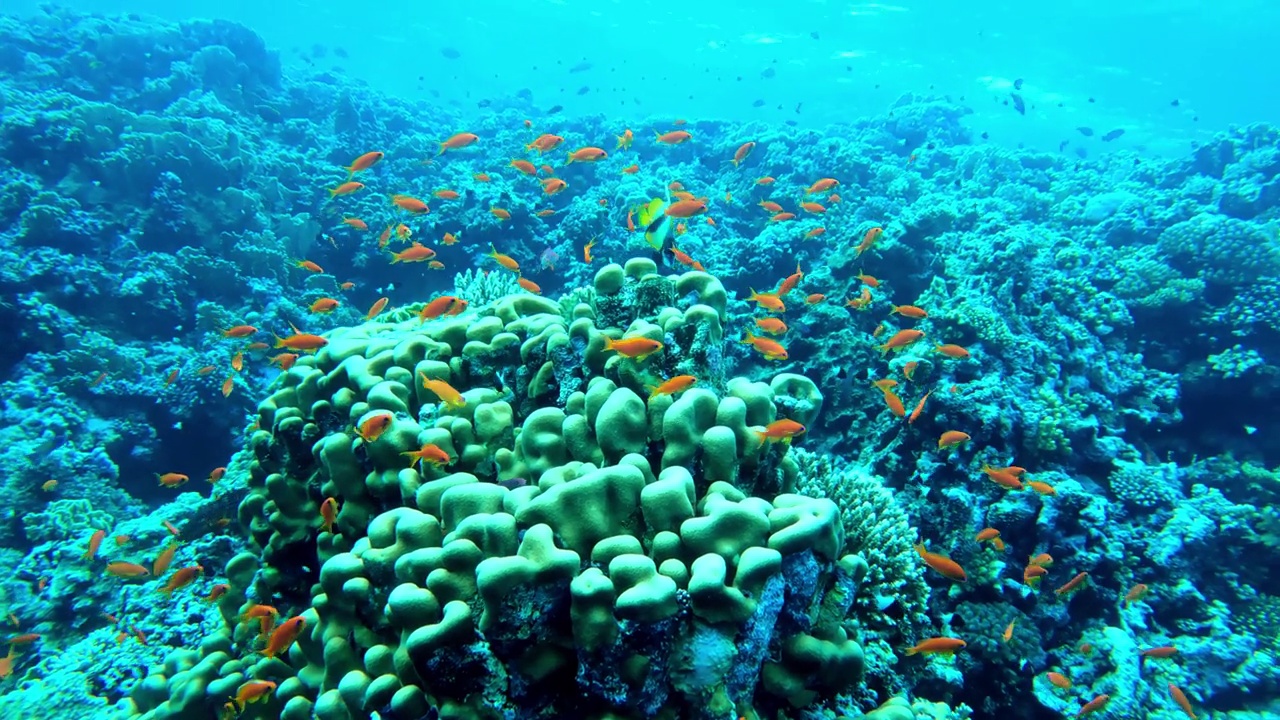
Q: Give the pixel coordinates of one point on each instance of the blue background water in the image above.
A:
(685, 58)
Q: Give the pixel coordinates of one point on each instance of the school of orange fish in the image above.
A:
(276, 639)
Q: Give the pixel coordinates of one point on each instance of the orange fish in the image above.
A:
(685, 208)
(545, 142)
(322, 305)
(766, 180)
(373, 426)
(586, 251)
(682, 257)
(1164, 651)
(173, 529)
(1043, 560)
(216, 592)
(1031, 574)
(237, 360)
(932, 646)
(814, 299)
(301, 341)
(783, 430)
(742, 152)
(383, 239)
(449, 239)
(1041, 488)
(95, 541)
(284, 360)
(548, 212)
(457, 142)
(901, 339)
(416, 252)
(529, 285)
(98, 380)
(228, 386)
(308, 266)
(770, 206)
(328, 514)
(674, 137)
(448, 394)
(26, 639)
(916, 413)
(253, 691)
(284, 636)
(505, 261)
(954, 351)
(551, 186)
(946, 566)
(264, 346)
(121, 540)
(770, 349)
(636, 348)
(1059, 680)
(624, 140)
(164, 559)
(182, 578)
(345, 188)
(790, 282)
(437, 307)
(364, 162)
(1086, 648)
(895, 403)
(172, 377)
(410, 203)
(1136, 593)
(126, 570)
(446, 194)
(587, 154)
(524, 166)
(815, 232)
(1001, 478)
(377, 308)
(885, 383)
(1175, 692)
(172, 479)
(821, 186)
(676, 384)
(771, 325)
(768, 301)
(1007, 635)
(813, 207)
(481, 177)
(910, 311)
(356, 223)
(1095, 705)
(631, 169)
(782, 217)
(239, 331)
(48, 485)
(428, 453)
(1073, 584)
(909, 369)
(868, 240)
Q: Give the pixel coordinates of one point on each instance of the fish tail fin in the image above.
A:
(608, 344)
(570, 159)
(441, 150)
(748, 339)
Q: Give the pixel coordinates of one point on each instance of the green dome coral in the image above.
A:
(591, 548)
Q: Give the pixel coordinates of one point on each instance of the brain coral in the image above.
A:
(617, 551)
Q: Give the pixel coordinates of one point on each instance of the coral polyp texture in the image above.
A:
(323, 403)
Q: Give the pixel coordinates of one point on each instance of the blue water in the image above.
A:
(709, 60)
(911, 359)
